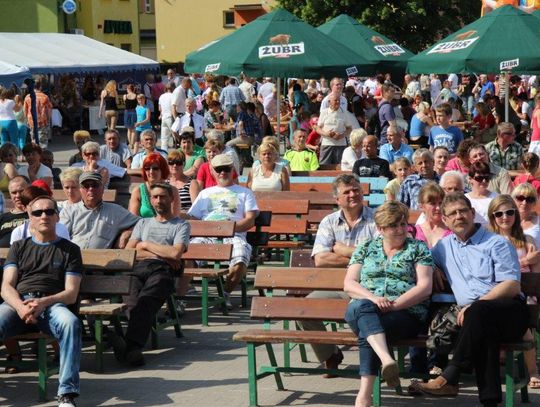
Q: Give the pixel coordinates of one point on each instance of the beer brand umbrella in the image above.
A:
(506, 39)
(278, 44)
(375, 47)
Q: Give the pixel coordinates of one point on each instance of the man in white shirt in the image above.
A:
(336, 88)
(165, 103)
(191, 119)
(265, 89)
(179, 96)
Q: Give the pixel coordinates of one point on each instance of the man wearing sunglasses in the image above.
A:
(500, 181)
(504, 151)
(94, 224)
(484, 273)
(42, 275)
(228, 201)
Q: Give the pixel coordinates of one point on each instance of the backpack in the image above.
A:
(374, 124)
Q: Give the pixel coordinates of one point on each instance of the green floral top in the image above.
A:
(392, 278)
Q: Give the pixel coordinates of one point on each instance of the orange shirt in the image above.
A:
(44, 109)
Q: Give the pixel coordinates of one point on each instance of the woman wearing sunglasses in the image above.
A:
(155, 169)
(90, 155)
(525, 197)
(188, 189)
(480, 196)
(504, 219)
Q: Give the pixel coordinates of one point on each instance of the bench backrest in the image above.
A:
(306, 187)
(103, 285)
(293, 308)
(285, 207)
(108, 260)
(109, 195)
(213, 252)
(300, 278)
(203, 228)
(319, 173)
(314, 198)
(286, 226)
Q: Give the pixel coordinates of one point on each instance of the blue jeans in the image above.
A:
(365, 319)
(9, 131)
(22, 131)
(57, 320)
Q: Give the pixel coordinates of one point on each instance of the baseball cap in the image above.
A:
(90, 176)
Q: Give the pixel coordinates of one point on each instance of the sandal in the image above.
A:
(534, 382)
(390, 374)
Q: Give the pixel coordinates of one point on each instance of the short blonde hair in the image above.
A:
(90, 145)
(422, 106)
(357, 136)
(176, 155)
(267, 147)
(80, 135)
(390, 213)
(525, 189)
(430, 192)
(70, 174)
(271, 140)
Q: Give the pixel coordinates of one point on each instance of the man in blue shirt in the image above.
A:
(445, 135)
(483, 271)
(395, 148)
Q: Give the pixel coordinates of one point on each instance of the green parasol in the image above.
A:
(375, 47)
(278, 44)
(506, 39)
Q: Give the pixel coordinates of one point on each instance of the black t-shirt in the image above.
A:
(43, 266)
(8, 222)
(372, 167)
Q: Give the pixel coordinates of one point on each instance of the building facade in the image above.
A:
(44, 16)
(186, 25)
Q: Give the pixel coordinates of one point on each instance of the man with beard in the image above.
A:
(160, 242)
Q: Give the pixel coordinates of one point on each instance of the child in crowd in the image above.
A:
(530, 163)
(401, 169)
(313, 141)
(441, 156)
(444, 134)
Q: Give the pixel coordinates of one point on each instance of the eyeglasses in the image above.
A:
(509, 212)
(176, 162)
(38, 212)
(482, 178)
(88, 185)
(152, 169)
(93, 154)
(459, 211)
(522, 198)
(223, 168)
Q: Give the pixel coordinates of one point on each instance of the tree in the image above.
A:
(415, 24)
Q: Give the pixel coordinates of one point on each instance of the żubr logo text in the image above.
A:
(446, 47)
(390, 49)
(212, 67)
(280, 47)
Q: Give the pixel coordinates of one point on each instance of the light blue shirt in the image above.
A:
(388, 153)
(474, 267)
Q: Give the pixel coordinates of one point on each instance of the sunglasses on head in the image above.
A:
(152, 168)
(509, 212)
(38, 212)
(223, 168)
(482, 178)
(522, 198)
(176, 162)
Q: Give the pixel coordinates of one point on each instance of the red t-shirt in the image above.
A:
(523, 178)
(205, 176)
(485, 122)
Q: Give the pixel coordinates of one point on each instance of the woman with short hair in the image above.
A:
(353, 153)
(71, 187)
(269, 175)
(90, 154)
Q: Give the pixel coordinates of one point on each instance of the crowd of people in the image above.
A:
(444, 147)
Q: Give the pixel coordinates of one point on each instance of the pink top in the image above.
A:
(454, 165)
(421, 236)
(535, 136)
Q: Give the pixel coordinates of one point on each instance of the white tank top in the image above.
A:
(6, 109)
(261, 183)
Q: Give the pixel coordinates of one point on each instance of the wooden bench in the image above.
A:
(109, 195)
(96, 282)
(317, 200)
(293, 308)
(216, 253)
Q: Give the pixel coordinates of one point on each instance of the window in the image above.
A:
(148, 6)
(126, 47)
(228, 19)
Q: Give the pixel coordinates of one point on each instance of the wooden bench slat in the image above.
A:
(282, 244)
(300, 278)
(286, 226)
(289, 207)
(102, 309)
(281, 336)
(291, 308)
(214, 252)
(108, 259)
(202, 228)
(109, 285)
(314, 198)
(206, 273)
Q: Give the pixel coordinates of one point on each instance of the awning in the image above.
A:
(51, 53)
(12, 74)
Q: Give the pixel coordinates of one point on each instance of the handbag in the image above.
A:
(443, 330)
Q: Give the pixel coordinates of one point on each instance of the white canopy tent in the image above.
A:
(12, 74)
(52, 53)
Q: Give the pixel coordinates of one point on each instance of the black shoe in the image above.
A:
(135, 357)
(119, 346)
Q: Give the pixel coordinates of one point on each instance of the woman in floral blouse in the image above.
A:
(389, 280)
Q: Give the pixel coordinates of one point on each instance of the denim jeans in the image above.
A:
(365, 319)
(57, 320)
